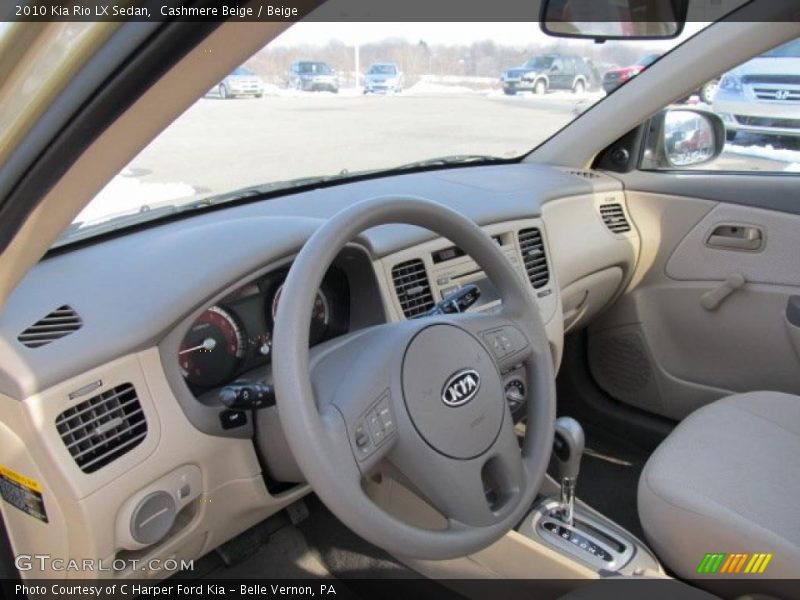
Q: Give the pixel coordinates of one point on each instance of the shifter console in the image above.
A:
(587, 538)
(556, 522)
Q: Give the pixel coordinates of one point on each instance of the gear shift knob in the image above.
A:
(568, 447)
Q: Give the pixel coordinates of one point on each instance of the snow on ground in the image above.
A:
(126, 194)
(430, 87)
(792, 157)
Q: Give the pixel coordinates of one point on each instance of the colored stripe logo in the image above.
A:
(735, 563)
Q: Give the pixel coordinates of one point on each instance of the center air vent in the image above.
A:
(412, 287)
(614, 218)
(57, 324)
(103, 428)
(534, 256)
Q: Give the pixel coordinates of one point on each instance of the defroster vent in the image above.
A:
(103, 428)
(534, 256)
(614, 218)
(62, 321)
(412, 287)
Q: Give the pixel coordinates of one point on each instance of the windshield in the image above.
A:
(382, 70)
(286, 129)
(788, 50)
(242, 71)
(540, 62)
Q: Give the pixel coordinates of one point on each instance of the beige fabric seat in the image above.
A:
(727, 480)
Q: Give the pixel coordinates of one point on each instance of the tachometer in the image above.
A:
(320, 314)
(212, 348)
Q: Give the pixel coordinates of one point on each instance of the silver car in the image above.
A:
(762, 96)
(383, 78)
(241, 82)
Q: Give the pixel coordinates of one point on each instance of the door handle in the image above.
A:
(736, 237)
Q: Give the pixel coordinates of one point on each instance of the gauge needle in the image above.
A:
(208, 345)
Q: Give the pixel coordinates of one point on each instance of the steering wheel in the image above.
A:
(425, 394)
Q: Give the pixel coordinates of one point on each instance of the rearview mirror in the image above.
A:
(603, 20)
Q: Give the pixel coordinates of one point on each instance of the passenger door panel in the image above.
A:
(684, 333)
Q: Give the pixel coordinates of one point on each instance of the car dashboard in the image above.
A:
(123, 403)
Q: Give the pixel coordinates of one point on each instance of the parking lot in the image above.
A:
(221, 145)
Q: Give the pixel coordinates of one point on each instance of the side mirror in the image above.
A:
(602, 20)
(680, 138)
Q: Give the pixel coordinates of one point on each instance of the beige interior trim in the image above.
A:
(514, 556)
(88, 514)
(167, 99)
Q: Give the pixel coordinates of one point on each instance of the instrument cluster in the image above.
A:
(235, 335)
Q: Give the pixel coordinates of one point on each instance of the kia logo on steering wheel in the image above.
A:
(461, 387)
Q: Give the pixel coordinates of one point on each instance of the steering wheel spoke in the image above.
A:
(352, 378)
(477, 492)
(508, 340)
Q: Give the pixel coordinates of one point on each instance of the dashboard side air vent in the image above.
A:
(59, 323)
(531, 244)
(614, 218)
(412, 287)
(103, 428)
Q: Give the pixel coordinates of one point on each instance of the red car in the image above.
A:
(616, 77)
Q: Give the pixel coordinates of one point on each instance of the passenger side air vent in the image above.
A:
(412, 287)
(62, 321)
(534, 257)
(614, 218)
(103, 428)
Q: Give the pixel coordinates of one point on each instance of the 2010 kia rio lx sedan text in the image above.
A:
(535, 340)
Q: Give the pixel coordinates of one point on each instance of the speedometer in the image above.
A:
(320, 314)
(212, 349)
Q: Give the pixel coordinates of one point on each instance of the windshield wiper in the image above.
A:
(455, 159)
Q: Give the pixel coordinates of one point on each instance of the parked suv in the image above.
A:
(763, 95)
(312, 76)
(382, 78)
(549, 72)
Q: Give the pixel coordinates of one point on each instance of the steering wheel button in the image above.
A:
(376, 428)
(385, 416)
(362, 438)
(492, 339)
(505, 342)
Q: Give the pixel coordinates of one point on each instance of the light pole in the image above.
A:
(356, 49)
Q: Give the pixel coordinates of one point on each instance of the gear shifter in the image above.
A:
(567, 450)
(590, 537)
